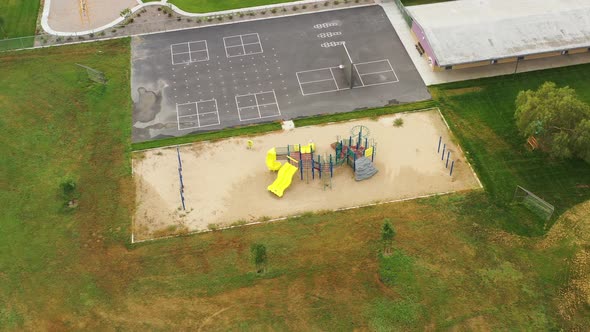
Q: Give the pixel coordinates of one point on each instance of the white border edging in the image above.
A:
(49, 30)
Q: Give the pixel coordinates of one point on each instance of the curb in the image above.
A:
(49, 30)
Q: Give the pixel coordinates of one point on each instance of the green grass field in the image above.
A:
(66, 269)
(481, 113)
(207, 6)
(18, 18)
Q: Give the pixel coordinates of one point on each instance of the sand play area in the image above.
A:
(226, 183)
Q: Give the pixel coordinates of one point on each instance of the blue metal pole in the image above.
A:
(448, 155)
(452, 165)
(301, 168)
(439, 141)
(442, 156)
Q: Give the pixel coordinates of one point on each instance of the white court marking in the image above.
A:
(257, 106)
(388, 69)
(242, 45)
(199, 50)
(360, 74)
(197, 114)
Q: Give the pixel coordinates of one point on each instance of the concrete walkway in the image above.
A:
(83, 17)
(431, 77)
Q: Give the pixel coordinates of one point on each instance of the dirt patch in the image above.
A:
(225, 182)
(462, 91)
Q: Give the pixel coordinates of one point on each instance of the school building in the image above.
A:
(468, 33)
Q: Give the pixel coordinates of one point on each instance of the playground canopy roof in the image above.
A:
(468, 31)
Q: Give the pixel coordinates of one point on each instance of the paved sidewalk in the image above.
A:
(82, 15)
(431, 77)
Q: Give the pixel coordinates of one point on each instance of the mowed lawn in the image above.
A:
(481, 114)
(66, 269)
(206, 6)
(18, 18)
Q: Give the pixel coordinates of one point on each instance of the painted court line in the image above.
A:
(260, 116)
(197, 114)
(189, 52)
(242, 45)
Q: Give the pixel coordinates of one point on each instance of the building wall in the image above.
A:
(421, 38)
(511, 59)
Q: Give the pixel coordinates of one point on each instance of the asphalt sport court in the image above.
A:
(211, 78)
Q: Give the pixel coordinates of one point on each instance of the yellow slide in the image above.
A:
(271, 160)
(283, 180)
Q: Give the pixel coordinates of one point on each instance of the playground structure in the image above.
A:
(358, 151)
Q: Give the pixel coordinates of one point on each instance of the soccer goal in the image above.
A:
(93, 74)
(533, 202)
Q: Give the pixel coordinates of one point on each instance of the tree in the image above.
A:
(387, 235)
(557, 118)
(259, 257)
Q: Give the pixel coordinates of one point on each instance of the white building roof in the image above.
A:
(466, 31)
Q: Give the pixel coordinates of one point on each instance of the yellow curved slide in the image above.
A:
(283, 181)
(271, 160)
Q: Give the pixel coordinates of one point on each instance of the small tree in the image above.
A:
(125, 13)
(259, 257)
(557, 118)
(387, 235)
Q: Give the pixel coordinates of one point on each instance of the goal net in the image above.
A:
(533, 202)
(94, 75)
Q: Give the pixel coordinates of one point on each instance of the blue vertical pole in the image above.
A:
(312, 169)
(442, 156)
(180, 178)
(301, 168)
(373, 154)
(331, 167)
(448, 155)
(452, 165)
(439, 141)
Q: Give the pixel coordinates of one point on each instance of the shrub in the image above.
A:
(91, 35)
(263, 12)
(304, 7)
(295, 8)
(114, 30)
(326, 4)
(336, 2)
(398, 122)
(274, 10)
(101, 33)
(220, 18)
(231, 17)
